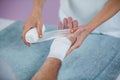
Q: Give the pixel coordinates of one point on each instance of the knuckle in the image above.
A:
(77, 46)
(70, 17)
(64, 19)
(75, 22)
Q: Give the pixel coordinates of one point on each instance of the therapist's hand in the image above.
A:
(34, 20)
(69, 23)
(80, 38)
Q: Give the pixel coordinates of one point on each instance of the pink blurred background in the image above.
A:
(20, 10)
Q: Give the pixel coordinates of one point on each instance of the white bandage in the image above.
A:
(59, 48)
(32, 35)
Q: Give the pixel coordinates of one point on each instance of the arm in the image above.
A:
(109, 10)
(49, 70)
(34, 20)
(58, 51)
(38, 6)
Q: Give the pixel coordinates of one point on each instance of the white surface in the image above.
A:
(5, 23)
(118, 77)
(32, 35)
(59, 48)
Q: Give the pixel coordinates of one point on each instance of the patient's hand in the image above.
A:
(69, 23)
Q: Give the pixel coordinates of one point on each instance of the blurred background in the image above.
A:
(21, 9)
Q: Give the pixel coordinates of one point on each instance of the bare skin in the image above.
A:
(34, 20)
(50, 68)
(108, 11)
(46, 72)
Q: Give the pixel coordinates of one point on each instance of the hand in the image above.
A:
(80, 39)
(69, 23)
(35, 20)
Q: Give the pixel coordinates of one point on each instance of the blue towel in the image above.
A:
(98, 58)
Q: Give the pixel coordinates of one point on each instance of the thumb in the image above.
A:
(23, 37)
(70, 50)
(81, 28)
(39, 29)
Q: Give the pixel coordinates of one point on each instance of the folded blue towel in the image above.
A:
(98, 58)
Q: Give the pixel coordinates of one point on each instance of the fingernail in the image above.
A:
(40, 36)
(71, 30)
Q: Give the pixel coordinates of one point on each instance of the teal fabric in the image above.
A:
(6, 72)
(98, 58)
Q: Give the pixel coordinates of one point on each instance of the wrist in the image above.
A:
(86, 32)
(90, 28)
(87, 29)
(36, 13)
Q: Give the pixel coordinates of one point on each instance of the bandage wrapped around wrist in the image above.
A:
(59, 48)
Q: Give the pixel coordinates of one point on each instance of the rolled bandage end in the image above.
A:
(59, 48)
(32, 35)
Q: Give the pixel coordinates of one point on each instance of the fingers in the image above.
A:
(73, 29)
(75, 23)
(23, 36)
(75, 26)
(60, 25)
(78, 42)
(39, 29)
(70, 50)
(78, 31)
(73, 36)
(65, 23)
(76, 45)
(81, 29)
(70, 25)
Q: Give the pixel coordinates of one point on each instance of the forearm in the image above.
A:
(38, 6)
(49, 70)
(57, 53)
(109, 10)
